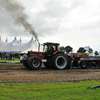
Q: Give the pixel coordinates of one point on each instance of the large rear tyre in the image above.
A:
(35, 63)
(83, 64)
(60, 61)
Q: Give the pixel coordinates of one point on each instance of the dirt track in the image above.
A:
(18, 73)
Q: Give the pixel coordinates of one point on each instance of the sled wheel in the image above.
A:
(83, 64)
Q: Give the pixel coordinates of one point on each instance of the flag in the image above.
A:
(86, 48)
(16, 42)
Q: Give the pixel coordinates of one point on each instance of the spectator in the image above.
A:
(0, 54)
(25, 55)
(10, 56)
(3, 56)
(6, 55)
(13, 56)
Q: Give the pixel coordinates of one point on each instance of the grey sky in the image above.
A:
(69, 22)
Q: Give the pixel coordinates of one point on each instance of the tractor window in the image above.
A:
(49, 48)
(52, 48)
(58, 48)
(45, 48)
(41, 48)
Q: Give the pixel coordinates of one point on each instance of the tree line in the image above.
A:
(80, 50)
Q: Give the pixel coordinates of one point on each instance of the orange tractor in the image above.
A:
(51, 57)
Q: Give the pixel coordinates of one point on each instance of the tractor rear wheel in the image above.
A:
(60, 61)
(35, 63)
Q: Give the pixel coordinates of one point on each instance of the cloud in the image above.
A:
(69, 22)
(16, 10)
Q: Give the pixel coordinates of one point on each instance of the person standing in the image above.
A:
(3, 56)
(0, 54)
(6, 56)
(13, 56)
(10, 56)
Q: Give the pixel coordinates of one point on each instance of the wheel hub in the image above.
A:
(61, 62)
(35, 63)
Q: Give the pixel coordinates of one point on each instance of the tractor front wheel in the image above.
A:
(35, 63)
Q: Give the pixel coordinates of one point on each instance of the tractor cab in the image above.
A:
(50, 48)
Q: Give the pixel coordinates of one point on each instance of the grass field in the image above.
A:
(50, 91)
(16, 60)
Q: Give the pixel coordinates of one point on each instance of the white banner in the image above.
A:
(86, 48)
(16, 42)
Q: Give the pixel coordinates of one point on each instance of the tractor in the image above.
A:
(51, 57)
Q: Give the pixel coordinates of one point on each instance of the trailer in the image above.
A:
(84, 61)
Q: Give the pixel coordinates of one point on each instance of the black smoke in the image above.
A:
(16, 10)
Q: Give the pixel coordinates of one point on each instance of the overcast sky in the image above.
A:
(68, 22)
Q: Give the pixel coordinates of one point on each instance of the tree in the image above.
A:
(90, 50)
(62, 48)
(68, 49)
(81, 50)
(96, 53)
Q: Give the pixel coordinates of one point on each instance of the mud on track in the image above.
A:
(18, 73)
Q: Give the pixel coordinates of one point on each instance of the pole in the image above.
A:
(20, 45)
(38, 46)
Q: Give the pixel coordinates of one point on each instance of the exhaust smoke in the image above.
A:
(16, 10)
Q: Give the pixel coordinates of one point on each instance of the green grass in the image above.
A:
(50, 91)
(16, 60)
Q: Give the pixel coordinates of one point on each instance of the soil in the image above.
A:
(18, 73)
